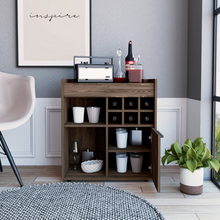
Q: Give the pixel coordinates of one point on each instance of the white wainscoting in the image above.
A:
(171, 122)
(38, 141)
(170, 125)
(53, 131)
(15, 138)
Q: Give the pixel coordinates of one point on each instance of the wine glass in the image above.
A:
(75, 153)
(136, 58)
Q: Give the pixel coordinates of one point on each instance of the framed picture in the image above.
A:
(52, 32)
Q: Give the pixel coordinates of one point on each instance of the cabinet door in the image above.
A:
(155, 158)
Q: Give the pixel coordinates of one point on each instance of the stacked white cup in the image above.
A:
(121, 137)
(121, 162)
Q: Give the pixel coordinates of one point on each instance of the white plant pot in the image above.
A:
(191, 183)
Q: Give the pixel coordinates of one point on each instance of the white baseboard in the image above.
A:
(38, 141)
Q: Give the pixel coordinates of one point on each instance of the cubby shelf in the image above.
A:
(85, 124)
(131, 125)
(123, 102)
(129, 149)
(147, 110)
(79, 175)
(129, 175)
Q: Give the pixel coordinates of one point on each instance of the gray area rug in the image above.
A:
(74, 201)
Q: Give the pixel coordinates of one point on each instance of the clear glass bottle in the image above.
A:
(119, 76)
(135, 70)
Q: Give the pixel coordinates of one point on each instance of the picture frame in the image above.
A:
(52, 32)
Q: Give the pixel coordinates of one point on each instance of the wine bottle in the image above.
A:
(114, 118)
(130, 118)
(129, 60)
(114, 104)
(147, 118)
(146, 104)
(131, 104)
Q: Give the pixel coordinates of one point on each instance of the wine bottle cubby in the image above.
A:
(131, 103)
(115, 103)
(115, 118)
(147, 118)
(123, 105)
(131, 118)
(147, 103)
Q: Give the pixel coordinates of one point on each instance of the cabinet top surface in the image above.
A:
(145, 89)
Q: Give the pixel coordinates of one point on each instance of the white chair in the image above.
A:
(17, 103)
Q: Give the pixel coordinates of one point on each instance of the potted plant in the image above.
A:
(192, 157)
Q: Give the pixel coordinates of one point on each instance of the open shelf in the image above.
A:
(111, 110)
(129, 175)
(131, 110)
(147, 110)
(131, 125)
(146, 143)
(80, 175)
(130, 148)
(85, 124)
(112, 175)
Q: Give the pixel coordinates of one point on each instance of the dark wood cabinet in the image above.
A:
(117, 100)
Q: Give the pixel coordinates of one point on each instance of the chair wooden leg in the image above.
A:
(10, 159)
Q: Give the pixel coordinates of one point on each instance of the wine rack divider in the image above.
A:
(88, 94)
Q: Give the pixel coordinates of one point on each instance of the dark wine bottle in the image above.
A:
(114, 104)
(146, 104)
(131, 104)
(114, 118)
(130, 118)
(129, 59)
(147, 118)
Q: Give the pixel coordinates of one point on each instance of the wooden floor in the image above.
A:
(173, 204)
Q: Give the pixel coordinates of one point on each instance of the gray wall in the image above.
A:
(157, 28)
(194, 49)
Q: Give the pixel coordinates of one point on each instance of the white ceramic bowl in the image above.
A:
(91, 166)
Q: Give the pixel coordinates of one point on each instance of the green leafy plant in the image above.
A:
(192, 155)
